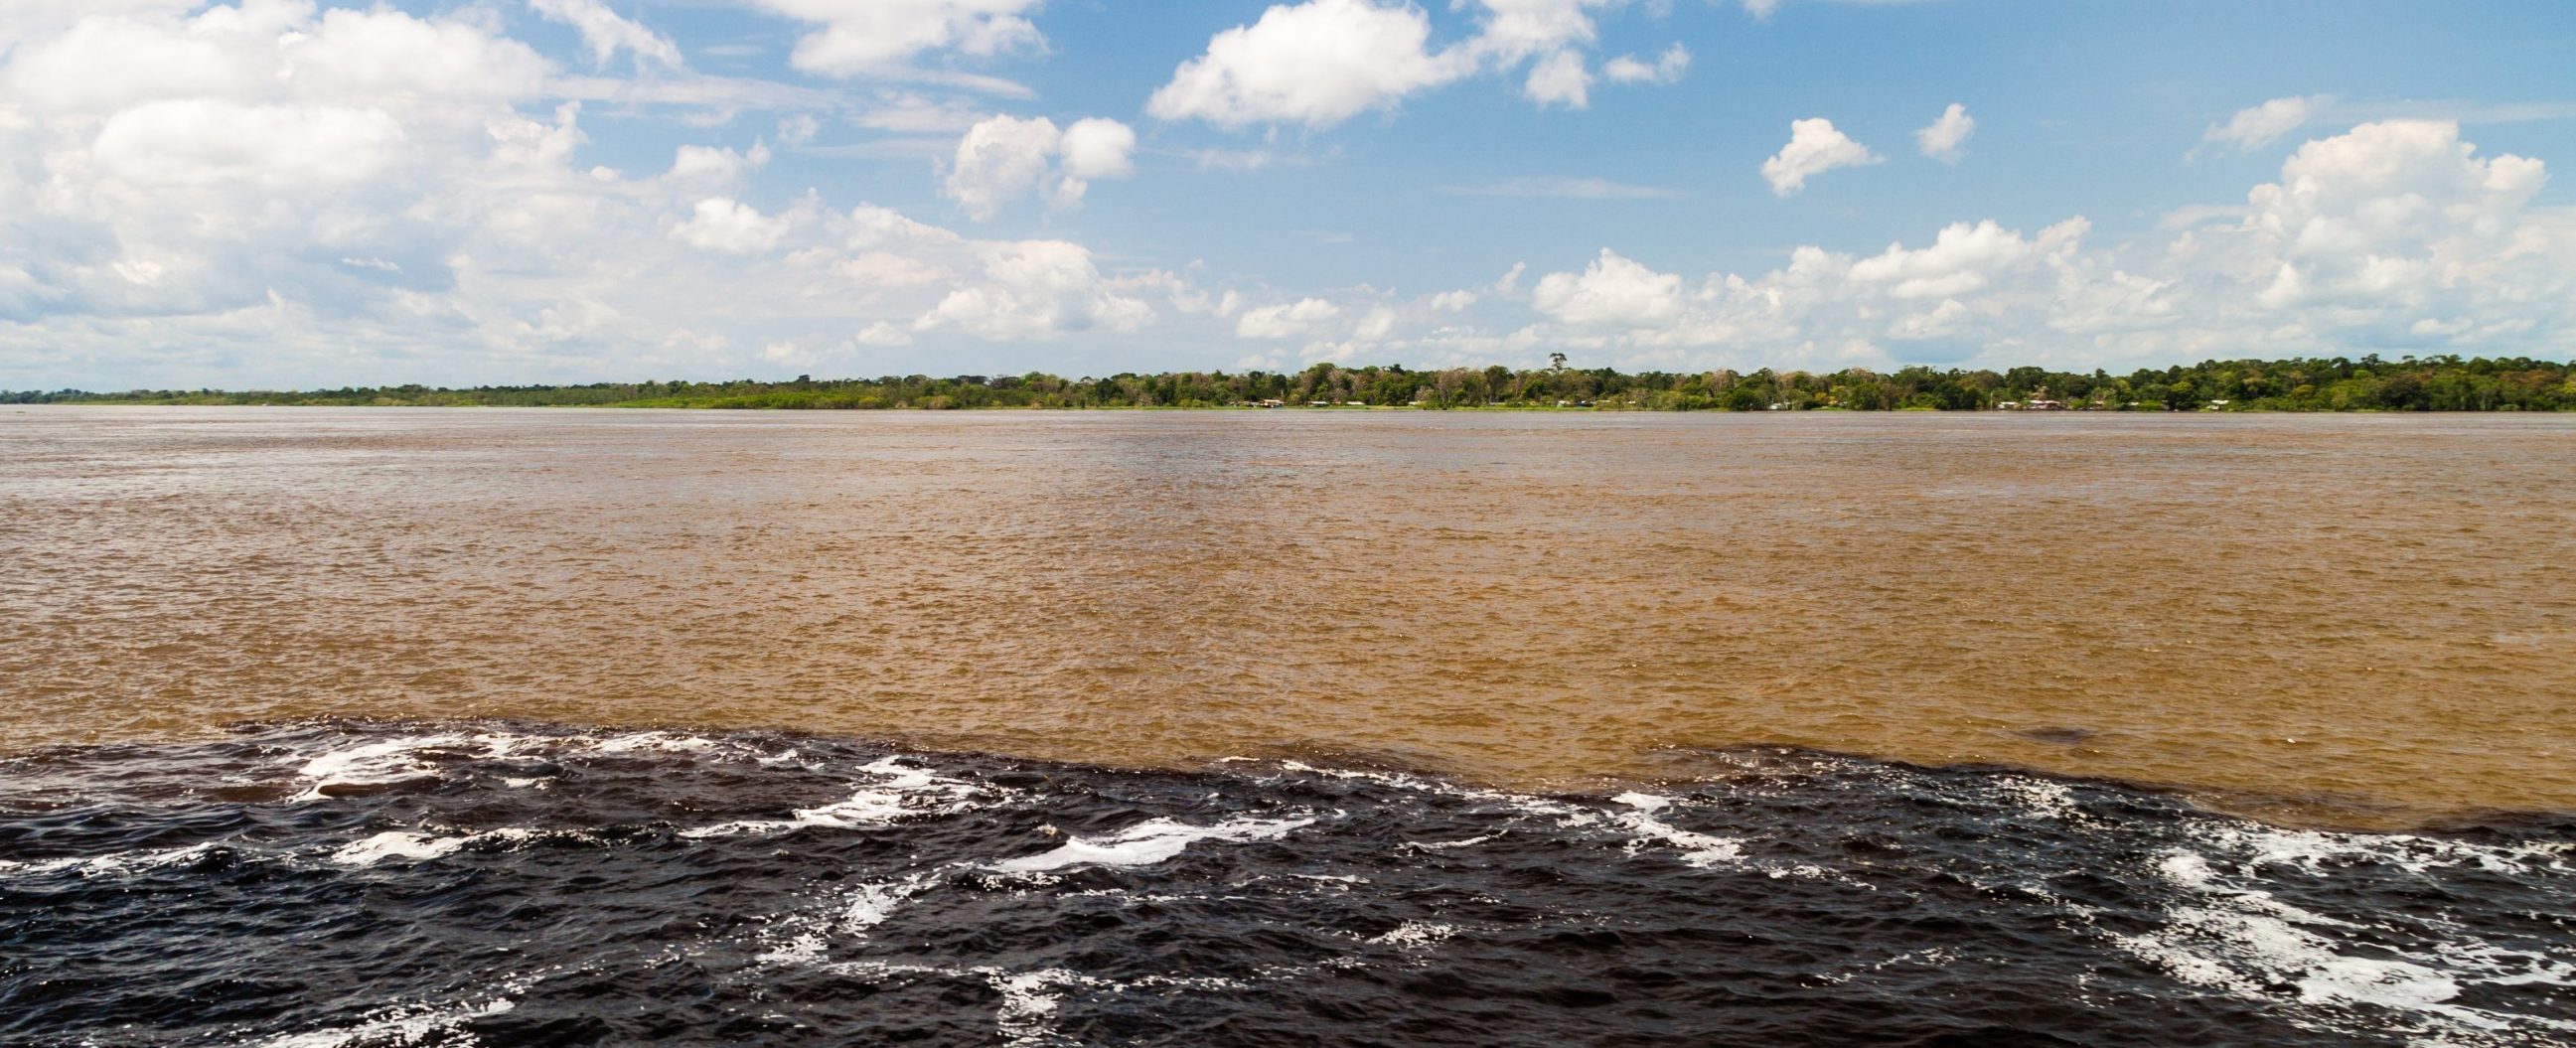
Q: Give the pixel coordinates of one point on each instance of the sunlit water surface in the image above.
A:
(372, 728)
(2341, 619)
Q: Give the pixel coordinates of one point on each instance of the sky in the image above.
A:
(303, 194)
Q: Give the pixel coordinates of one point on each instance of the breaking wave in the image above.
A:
(360, 883)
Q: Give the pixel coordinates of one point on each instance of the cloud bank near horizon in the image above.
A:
(289, 193)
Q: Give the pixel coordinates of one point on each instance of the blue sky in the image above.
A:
(280, 192)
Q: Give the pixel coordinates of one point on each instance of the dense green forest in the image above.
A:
(2442, 383)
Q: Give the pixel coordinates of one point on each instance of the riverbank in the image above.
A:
(2304, 385)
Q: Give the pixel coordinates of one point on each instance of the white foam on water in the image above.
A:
(804, 940)
(2241, 939)
(1146, 843)
(116, 864)
(1031, 1000)
(401, 1025)
(654, 742)
(1698, 849)
(2043, 797)
(2319, 852)
(871, 904)
(396, 844)
(386, 761)
(1415, 935)
(374, 763)
(1445, 845)
(1029, 1003)
(422, 847)
(901, 792)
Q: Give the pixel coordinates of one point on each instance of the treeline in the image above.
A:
(2442, 383)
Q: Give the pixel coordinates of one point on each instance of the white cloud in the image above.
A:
(1516, 29)
(1036, 289)
(1097, 148)
(606, 33)
(882, 334)
(721, 224)
(865, 37)
(278, 192)
(1000, 159)
(1761, 9)
(1665, 69)
(912, 112)
(798, 129)
(2399, 218)
(1613, 292)
(207, 142)
(1005, 158)
(1321, 62)
(1560, 79)
(1963, 258)
(2259, 126)
(713, 167)
(273, 193)
(34, 19)
(2394, 236)
(1317, 63)
(1814, 148)
(1287, 320)
(1946, 139)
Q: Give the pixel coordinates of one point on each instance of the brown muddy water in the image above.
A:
(2342, 619)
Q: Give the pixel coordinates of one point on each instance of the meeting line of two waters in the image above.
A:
(351, 727)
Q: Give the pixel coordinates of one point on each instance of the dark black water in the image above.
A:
(509, 884)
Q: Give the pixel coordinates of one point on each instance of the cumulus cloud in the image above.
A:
(1036, 289)
(1512, 30)
(861, 37)
(1321, 62)
(200, 142)
(1000, 159)
(1286, 320)
(1317, 63)
(1814, 148)
(246, 193)
(2259, 126)
(2393, 236)
(1665, 69)
(278, 192)
(606, 33)
(1560, 79)
(1005, 158)
(1612, 292)
(721, 224)
(1099, 148)
(1946, 138)
(2399, 219)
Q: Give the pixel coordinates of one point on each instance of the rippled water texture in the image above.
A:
(358, 885)
(2349, 620)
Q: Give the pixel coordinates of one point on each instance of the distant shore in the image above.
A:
(2368, 383)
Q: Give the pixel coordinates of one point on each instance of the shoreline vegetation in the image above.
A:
(2368, 383)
